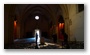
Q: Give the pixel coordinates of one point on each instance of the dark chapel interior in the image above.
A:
(43, 26)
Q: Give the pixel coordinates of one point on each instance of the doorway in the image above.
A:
(61, 27)
(39, 35)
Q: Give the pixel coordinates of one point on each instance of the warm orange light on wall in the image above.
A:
(61, 25)
(15, 23)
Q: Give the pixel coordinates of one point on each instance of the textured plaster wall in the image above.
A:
(76, 24)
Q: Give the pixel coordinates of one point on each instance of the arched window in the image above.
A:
(80, 7)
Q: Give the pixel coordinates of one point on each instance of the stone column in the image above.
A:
(8, 26)
(11, 29)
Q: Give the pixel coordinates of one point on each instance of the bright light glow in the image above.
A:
(37, 17)
(38, 36)
(38, 32)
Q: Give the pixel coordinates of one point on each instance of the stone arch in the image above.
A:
(43, 8)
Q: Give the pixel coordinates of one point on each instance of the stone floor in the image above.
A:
(29, 43)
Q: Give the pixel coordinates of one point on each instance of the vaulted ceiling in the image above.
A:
(25, 15)
(46, 11)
